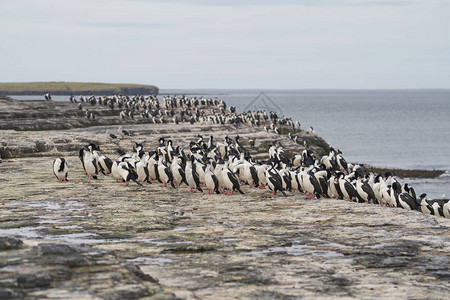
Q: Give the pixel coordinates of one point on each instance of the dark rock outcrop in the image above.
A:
(55, 269)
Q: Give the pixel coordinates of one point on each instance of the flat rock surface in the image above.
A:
(200, 246)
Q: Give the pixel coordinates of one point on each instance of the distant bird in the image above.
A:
(311, 130)
(122, 132)
(48, 97)
(110, 136)
(251, 142)
(89, 115)
(277, 131)
(60, 169)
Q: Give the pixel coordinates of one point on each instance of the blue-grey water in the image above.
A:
(408, 129)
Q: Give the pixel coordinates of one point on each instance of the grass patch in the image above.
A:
(67, 88)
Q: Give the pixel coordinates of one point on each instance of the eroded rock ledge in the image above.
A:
(68, 271)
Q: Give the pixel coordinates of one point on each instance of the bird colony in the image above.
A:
(227, 167)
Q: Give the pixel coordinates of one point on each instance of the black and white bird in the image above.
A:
(105, 164)
(229, 180)
(274, 180)
(47, 97)
(192, 177)
(251, 143)
(446, 209)
(364, 190)
(60, 169)
(348, 190)
(127, 173)
(110, 136)
(178, 173)
(90, 162)
(211, 181)
(122, 132)
(165, 174)
(424, 206)
(141, 167)
(404, 200)
(410, 190)
(309, 183)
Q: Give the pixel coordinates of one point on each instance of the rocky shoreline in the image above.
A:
(87, 239)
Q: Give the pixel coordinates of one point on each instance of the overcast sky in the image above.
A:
(277, 44)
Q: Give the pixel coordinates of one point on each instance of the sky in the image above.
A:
(266, 44)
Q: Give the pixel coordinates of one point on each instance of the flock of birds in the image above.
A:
(225, 166)
(176, 109)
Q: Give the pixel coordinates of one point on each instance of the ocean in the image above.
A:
(406, 129)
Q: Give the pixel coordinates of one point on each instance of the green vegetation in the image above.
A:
(67, 88)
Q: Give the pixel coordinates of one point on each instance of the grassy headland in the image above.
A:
(67, 88)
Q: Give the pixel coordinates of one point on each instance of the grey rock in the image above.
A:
(34, 280)
(125, 292)
(8, 243)
(6, 293)
(55, 249)
(138, 272)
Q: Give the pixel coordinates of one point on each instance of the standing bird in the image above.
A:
(165, 174)
(48, 97)
(60, 169)
(110, 136)
(230, 182)
(191, 175)
(142, 168)
(347, 189)
(309, 183)
(446, 209)
(364, 190)
(251, 142)
(273, 180)
(424, 206)
(178, 173)
(122, 132)
(410, 190)
(105, 164)
(404, 200)
(211, 181)
(127, 173)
